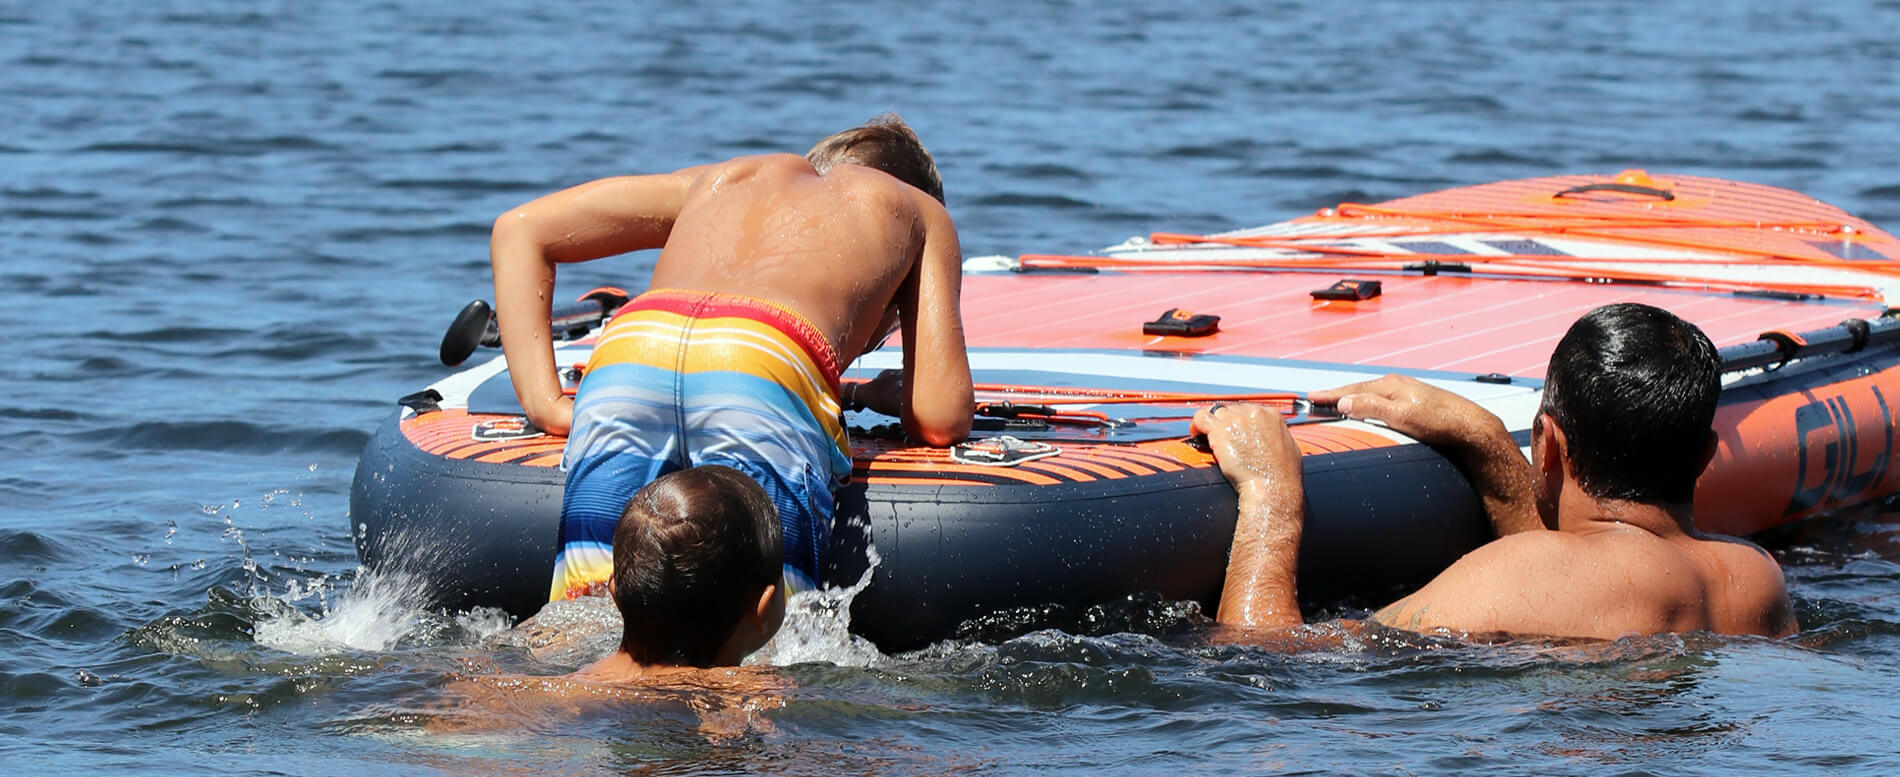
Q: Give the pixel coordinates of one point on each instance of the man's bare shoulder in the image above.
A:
(1490, 588)
(1739, 551)
(1527, 546)
(1751, 592)
(1555, 583)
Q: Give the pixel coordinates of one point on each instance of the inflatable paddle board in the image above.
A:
(1080, 484)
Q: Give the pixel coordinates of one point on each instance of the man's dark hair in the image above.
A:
(1634, 389)
(885, 143)
(692, 552)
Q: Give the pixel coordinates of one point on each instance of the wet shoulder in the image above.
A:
(737, 169)
(1740, 560)
(1623, 564)
(1750, 586)
(872, 185)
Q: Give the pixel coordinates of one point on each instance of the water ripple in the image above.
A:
(22, 545)
(1019, 200)
(210, 147)
(229, 437)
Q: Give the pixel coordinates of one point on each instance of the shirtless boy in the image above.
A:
(1623, 433)
(774, 273)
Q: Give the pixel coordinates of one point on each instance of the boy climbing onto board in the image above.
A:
(771, 269)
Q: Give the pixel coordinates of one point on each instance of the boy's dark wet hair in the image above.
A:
(885, 143)
(1634, 389)
(693, 551)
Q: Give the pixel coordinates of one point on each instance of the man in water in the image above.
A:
(771, 269)
(1624, 431)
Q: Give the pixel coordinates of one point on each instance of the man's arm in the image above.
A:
(1473, 438)
(602, 218)
(1259, 457)
(938, 395)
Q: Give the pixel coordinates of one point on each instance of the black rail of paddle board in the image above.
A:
(480, 534)
(1779, 348)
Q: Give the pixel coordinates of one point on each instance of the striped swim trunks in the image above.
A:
(684, 378)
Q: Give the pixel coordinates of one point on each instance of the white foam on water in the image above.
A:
(390, 608)
(380, 610)
(818, 628)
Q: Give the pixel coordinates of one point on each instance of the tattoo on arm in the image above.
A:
(1391, 615)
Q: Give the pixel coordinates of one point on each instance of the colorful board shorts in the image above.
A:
(684, 378)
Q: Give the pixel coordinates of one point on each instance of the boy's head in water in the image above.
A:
(697, 569)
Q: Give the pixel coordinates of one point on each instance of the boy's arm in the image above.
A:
(939, 399)
(602, 218)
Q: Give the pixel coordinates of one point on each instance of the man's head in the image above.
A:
(697, 564)
(884, 143)
(1633, 390)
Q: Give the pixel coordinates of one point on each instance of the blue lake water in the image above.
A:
(232, 233)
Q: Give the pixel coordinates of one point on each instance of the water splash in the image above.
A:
(386, 608)
(568, 634)
(818, 628)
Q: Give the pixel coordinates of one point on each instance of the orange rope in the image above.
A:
(1181, 400)
(1536, 265)
(1058, 260)
(1086, 396)
(1584, 225)
(1593, 227)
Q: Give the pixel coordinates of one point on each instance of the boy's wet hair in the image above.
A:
(692, 552)
(885, 143)
(1634, 388)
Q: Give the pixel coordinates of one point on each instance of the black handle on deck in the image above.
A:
(475, 325)
(1626, 188)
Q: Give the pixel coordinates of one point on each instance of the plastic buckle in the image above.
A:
(1349, 290)
(1181, 323)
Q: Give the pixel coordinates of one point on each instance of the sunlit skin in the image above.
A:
(854, 251)
(1603, 568)
(727, 697)
(729, 701)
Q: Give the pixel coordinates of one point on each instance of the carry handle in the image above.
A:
(1626, 188)
(475, 326)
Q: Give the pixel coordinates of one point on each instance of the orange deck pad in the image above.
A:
(1425, 323)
